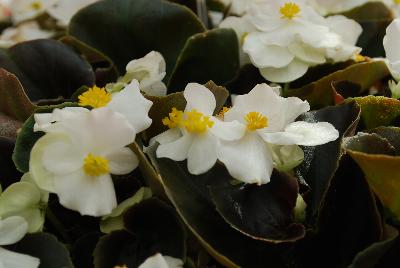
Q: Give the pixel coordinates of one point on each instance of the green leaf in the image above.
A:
(27, 138)
(151, 227)
(47, 248)
(47, 69)
(380, 166)
(321, 162)
(267, 209)
(320, 93)
(190, 196)
(213, 55)
(374, 17)
(378, 111)
(13, 100)
(128, 29)
(105, 70)
(162, 106)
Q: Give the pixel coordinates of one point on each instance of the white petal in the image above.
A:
(12, 229)
(202, 154)
(93, 196)
(200, 98)
(228, 131)
(156, 261)
(348, 29)
(307, 53)
(240, 25)
(264, 55)
(156, 89)
(247, 160)
(303, 133)
(294, 70)
(64, 10)
(131, 103)
(23, 10)
(293, 108)
(122, 161)
(11, 259)
(167, 136)
(176, 150)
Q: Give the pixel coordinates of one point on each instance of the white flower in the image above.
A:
(76, 157)
(266, 119)
(160, 261)
(25, 31)
(394, 89)
(325, 7)
(26, 200)
(64, 10)
(391, 43)
(149, 71)
(192, 132)
(128, 102)
(13, 229)
(290, 37)
(28, 9)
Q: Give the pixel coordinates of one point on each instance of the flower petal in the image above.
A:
(303, 133)
(11, 259)
(307, 53)
(228, 131)
(202, 154)
(131, 103)
(122, 161)
(200, 98)
(247, 160)
(12, 229)
(176, 150)
(167, 136)
(160, 261)
(93, 196)
(294, 70)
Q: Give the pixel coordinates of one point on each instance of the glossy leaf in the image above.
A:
(380, 166)
(320, 93)
(13, 100)
(263, 212)
(213, 55)
(321, 162)
(190, 196)
(378, 111)
(47, 69)
(129, 29)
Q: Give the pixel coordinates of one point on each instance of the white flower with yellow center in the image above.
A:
(28, 9)
(77, 156)
(64, 10)
(12, 230)
(267, 120)
(290, 37)
(149, 71)
(192, 132)
(160, 261)
(25, 31)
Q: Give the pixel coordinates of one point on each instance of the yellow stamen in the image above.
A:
(36, 5)
(256, 120)
(359, 57)
(223, 111)
(122, 266)
(95, 97)
(95, 166)
(396, 2)
(289, 10)
(174, 119)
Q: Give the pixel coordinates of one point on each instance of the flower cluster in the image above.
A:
(284, 38)
(250, 138)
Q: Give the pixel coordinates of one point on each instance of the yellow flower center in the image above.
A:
(289, 10)
(359, 57)
(193, 121)
(396, 2)
(95, 97)
(95, 166)
(36, 5)
(256, 120)
(222, 113)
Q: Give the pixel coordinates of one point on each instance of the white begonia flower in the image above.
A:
(290, 37)
(325, 7)
(75, 159)
(13, 229)
(267, 119)
(24, 199)
(28, 9)
(149, 71)
(160, 261)
(391, 43)
(64, 10)
(192, 132)
(25, 31)
(128, 102)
